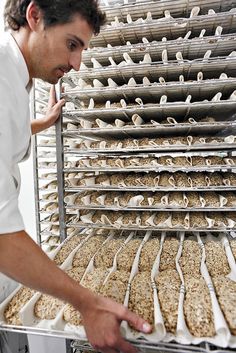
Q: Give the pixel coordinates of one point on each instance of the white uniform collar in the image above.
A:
(19, 62)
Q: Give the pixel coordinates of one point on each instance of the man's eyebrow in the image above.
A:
(77, 39)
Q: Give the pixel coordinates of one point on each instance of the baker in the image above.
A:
(46, 41)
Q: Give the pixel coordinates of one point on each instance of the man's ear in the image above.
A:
(33, 16)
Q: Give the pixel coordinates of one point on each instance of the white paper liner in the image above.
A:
(92, 182)
(222, 331)
(4, 304)
(155, 181)
(181, 328)
(135, 201)
(51, 242)
(163, 201)
(134, 162)
(223, 201)
(229, 161)
(85, 124)
(87, 219)
(72, 182)
(175, 203)
(230, 257)
(70, 199)
(79, 330)
(85, 163)
(119, 123)
(119, 222)
(101, 200)
(53, 253)
(171, 181)
(230, 223)
(158, 329)
(54, 229)
(202, 201)
(183, 334)
(231, 275)
(230, 139)
(50, 207)
(114, 266)
(196, 225)
(137, 120)
(227, 182)
(27, 313)
(185, 224)
(29, 319)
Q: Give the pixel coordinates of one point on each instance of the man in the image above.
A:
(47, 40)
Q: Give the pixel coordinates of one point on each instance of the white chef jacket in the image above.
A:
(15, 131)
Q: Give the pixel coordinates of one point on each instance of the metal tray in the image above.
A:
(117, 188)
(151, 131)
(106, 226)
(155, 169)
(190, 49)
(170, 71)
(155, 111)
(177, 91)
(152, 208)
(171, 29)
(143, 346)
(177, 8)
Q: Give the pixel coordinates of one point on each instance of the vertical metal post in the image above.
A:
(36, 174)
(60, 171)
(68, 346)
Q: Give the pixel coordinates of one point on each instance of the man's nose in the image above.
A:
(75, 61)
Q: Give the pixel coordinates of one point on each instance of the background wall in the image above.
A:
(27, 199)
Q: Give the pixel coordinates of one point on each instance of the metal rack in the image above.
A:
(41, 152)
(174, 78)
(152, 106)
(82, 344)
(205, 100)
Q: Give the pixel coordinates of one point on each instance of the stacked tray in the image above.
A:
(161, 277)
(142, 91)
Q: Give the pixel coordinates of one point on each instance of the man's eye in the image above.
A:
(72, 45)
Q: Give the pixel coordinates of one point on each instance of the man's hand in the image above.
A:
(24, 261)
(54, 108)
(102, 318)
(52, 113)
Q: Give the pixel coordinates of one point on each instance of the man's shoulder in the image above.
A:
(4, 52)
(7, 68)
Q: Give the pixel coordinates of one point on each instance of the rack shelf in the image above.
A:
(168, 28)
(177, 8)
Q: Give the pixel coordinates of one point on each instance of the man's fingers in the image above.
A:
(52, 96)
(57, 107)
(60, 103)
(124, 314)
(137, 322)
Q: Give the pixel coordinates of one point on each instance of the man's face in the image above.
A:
(58, 49)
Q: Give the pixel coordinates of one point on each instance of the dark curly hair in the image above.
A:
(54, 12)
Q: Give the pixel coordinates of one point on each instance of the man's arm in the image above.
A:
(23, 260)
(51, 116)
